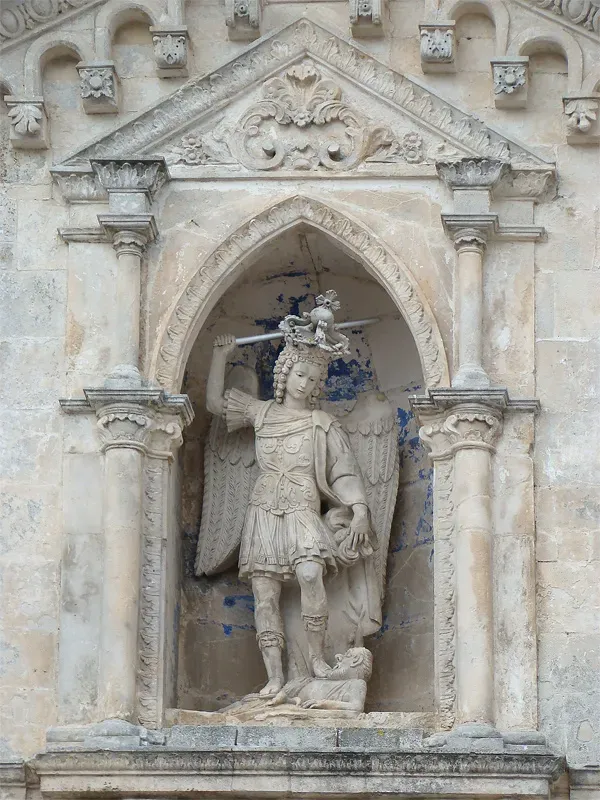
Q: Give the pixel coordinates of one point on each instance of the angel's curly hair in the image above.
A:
(292, 354)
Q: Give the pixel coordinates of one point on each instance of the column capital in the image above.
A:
(467, 425)
(124, 425)
(472, 173)
(129, 233)
(470, 231)
(131, 184)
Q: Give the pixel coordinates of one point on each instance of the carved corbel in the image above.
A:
(171, 44)
(582, 113)
(243, 19)
(28, 123)
(366, 18)
(438, 46)
(511, 78)
(99, 85)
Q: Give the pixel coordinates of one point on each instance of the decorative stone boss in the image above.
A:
(292, 498)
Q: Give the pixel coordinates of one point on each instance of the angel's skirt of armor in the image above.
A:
(283, 525)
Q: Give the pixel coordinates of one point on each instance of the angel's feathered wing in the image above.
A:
(373, 431)
(230, 472)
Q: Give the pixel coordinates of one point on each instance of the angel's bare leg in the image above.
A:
(313, 605)
(269, 630)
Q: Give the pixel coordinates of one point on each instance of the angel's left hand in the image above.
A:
(359, 527)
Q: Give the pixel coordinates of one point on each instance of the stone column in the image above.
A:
(470, 247)
(131, 186)
(473, 429)
(470, 226)
(460, 429)
(125, 428)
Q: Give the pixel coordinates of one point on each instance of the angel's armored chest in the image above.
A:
(285, 456)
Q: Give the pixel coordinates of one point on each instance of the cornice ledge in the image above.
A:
(442, 399)
(490, 226)
(97, 235)
(158, 399)
(203, 96)
(34, 30)
(586, 23)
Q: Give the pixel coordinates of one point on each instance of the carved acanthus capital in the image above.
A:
(582, 118)
(472, 173)
(78, 185)
(28, 123)
(99, 85)
(131, 185)
(243, 19)
(366, 18)
(438, 46)
(462, 426)
(510, 75)
(124, 425)
(170, 50)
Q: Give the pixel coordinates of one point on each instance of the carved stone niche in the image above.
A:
(99, 87)
(243, 19)
(366, 18)
(170, 50)
(438, 46)
(582, 117)
(511, 78)
(28, 123)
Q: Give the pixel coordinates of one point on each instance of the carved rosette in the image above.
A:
(243, 19)
(510, 76)
(298, 102)
(170, 51)
(366, 18)
(28, 123)
(99, 87)
(438, 46)
(582, 118)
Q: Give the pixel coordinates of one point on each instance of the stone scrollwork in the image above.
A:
(585, 13)
(243, 19)
(99, 88)
(18, 19)
(297, 101)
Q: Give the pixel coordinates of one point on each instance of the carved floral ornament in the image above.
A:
(17, 19)
(204, 286)
(580, 12)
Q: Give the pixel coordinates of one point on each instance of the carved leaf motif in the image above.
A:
(26, 119)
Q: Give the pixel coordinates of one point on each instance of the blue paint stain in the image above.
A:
(246, 601)
(348, 379)
(228, 629)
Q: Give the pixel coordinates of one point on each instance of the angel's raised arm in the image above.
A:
(223, 346)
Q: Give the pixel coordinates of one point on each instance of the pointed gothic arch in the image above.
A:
(226, 263)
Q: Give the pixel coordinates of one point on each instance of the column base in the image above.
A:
(471, 376)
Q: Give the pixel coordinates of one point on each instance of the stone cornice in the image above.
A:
(202, 97)
(34, 26)
(158, 399)
(437, 400)
(586, 24)
(490, 227)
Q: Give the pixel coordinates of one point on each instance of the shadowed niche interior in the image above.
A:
(218, 657)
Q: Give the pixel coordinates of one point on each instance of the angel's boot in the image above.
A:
(271, 645)
(316, 629)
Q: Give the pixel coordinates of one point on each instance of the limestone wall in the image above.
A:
(57, 335)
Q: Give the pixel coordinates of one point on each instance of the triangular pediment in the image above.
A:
(303, 98)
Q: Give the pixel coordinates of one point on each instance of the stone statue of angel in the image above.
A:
(309, 502)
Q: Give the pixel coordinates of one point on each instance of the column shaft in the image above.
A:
(128, 307)
(122, 543)
(470, 324)
(474, 620)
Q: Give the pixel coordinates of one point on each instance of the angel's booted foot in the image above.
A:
(273, 687)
